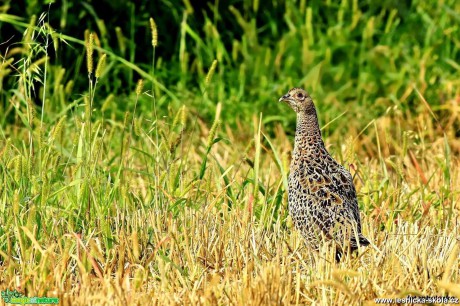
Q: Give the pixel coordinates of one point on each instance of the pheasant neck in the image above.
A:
(307, 133)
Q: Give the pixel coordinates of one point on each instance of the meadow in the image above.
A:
(152, 168)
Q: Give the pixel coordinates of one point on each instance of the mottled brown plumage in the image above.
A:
(322, 197)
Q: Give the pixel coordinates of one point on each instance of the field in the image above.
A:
(149, 165)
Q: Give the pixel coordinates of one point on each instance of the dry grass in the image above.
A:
(186, 246)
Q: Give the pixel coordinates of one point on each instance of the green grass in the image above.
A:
(175, 191)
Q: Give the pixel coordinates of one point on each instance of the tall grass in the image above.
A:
(176, 194)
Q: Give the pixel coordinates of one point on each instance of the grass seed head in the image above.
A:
(31, 110)
(183, 117)
(16, 202)
(213, 132)
(100, 66)
(211, 72)
(107, 102)
(29, 32)
(126, 119)
(58, 128)
(153, 28)
(68, 87)
(121, 40)
(137, 126)
(54, 36)
(5, 150)
(139, 87)
(89, 53)
(17, 169)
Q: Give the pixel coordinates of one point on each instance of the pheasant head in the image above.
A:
(298, 99)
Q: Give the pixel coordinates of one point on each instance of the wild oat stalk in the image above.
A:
(154, 32)
(46, 30)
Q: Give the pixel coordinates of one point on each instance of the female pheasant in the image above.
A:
(322, 196)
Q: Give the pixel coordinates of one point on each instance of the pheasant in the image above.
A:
(322, 197)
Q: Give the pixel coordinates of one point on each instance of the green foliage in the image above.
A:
(364, 54)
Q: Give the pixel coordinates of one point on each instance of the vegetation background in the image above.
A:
(144, 156)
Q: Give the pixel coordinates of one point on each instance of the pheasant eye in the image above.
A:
(300, 95)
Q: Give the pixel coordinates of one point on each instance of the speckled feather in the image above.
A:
(322, 197)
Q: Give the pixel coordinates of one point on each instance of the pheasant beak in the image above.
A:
(285, 98)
